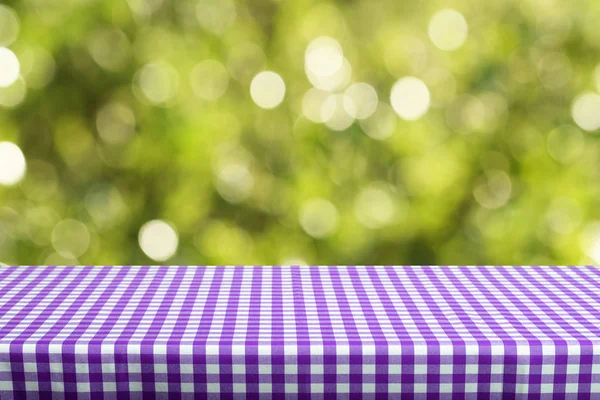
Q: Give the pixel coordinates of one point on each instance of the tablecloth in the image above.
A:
(299, 332)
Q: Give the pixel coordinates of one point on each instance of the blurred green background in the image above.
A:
(147, 132)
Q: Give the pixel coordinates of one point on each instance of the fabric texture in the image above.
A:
(299, 332)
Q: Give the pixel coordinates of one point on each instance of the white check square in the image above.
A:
(343, 388)
(265, 387)
(239, 387)
(187, 387)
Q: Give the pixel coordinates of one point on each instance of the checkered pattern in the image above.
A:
(299, 332)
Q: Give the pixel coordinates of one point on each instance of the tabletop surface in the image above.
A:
(300, 332)
(301, 305)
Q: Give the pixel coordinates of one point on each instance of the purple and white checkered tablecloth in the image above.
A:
(299, 332)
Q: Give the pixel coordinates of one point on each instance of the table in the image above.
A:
(299, 332)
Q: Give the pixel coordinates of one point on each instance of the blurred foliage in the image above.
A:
(120, 126)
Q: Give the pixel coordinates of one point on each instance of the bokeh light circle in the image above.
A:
(267, 89)
(586, 111)
(374, 207)
(495, 190)
(324, 56)
(360, 100)
(13, 95)
(12, 164)
(590, 240)
(234, 182)
(410, 98)
(158, 240)
(338, 81)
(313, 102)
(158, 82)
(564, 215)
(110, 49)
(448, 29)
(209, 80)
(9, 67)
(115, 123)
(554, 70)
(9, 25)
(38, 67)
(565, 144)
(70, 238)
(334, 113)
(381, 124)
(319, 218)
(216, 16)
